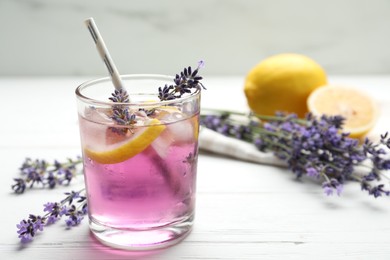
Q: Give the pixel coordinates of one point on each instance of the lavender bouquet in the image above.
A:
(313, 147)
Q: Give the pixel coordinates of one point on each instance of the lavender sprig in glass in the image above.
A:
(184, 82)
(120, 113)
(73, 207)
(313, 147)
(40, 172)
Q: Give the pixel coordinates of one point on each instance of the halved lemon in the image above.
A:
(358, 108)
(136, 143)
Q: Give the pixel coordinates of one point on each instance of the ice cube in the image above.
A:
(98, 115)
(162, 143)
(181, 131)
(179, 126)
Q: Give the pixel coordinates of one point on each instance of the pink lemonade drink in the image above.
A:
(140, 177)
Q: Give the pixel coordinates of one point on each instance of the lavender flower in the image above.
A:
(312, 172)
(28, 228)
(56, 211)
(184, 82)
(75, 216)
(120, 113)
(312, 147)
(120, 96)
(19, 186)
(73, 195)
(332, 185)
(40, 172)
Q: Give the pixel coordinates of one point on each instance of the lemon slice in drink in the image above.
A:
(119, 152)
(358, 109)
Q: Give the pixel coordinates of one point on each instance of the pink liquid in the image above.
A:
(154, 188)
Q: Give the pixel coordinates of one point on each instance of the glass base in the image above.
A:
(147, 239)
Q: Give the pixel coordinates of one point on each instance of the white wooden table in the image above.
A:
(244, 210)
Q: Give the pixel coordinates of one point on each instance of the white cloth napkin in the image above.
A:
(383, 123)
(212, 141)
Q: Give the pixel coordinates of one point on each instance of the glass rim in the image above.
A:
(124, 77)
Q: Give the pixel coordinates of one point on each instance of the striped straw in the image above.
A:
(104, 54)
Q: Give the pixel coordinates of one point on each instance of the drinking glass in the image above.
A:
(140, 173)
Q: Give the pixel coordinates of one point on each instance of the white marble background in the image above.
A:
(48, 37)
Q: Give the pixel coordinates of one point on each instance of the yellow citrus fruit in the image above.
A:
(358, 108)
(136, 143)
(282, 83)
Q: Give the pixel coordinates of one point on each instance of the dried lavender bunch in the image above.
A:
(184, 82)
(73, 207)
(40, 172)
(314, 147)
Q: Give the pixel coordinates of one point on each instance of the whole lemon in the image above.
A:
(283, 83)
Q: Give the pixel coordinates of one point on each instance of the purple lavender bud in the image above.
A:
(73, 220)
(19, 186)
(201, 64)
(339, 189)
(25, 231)
(49, 207)
(327, 190)
(312, 172)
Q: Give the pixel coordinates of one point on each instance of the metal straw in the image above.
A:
(104, 54)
